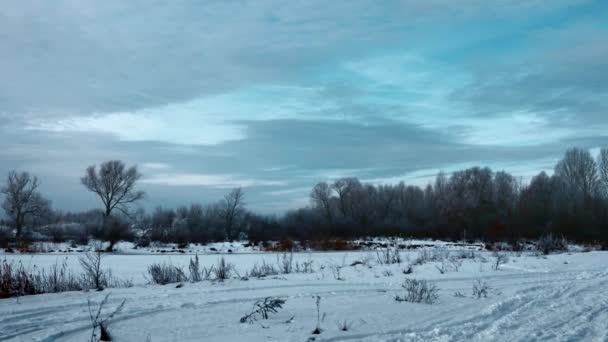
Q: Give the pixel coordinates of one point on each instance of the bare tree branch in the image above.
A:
(114, 185)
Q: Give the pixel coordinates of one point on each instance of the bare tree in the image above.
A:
(22, 200)
(602, 164)
(93, 275)
(114, 184)
(345, 187)
(232, 209)
(320, 196)
(578, 171)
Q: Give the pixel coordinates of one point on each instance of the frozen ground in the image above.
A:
(559, 298)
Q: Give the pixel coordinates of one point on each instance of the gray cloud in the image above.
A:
(276, 96)
(564, 79)
(277, 160)
(71, 57)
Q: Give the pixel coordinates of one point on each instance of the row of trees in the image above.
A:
(475, 203)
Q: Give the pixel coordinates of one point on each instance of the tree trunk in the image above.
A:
(18, 226)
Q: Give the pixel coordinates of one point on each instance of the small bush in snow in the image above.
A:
(428, 255)
(389, 255)
(344, 325)
(500, 258)
(262, 309)
(304, 267)
(442, 268)
(550, 243)
(455, 263)
(335, 271)
(408, 270)
(263, 270)
(93, 276)
(223, 270)
(419, 291)
(166, 274)
(285, 262)
(481, 289)
(466, 254)
(16, 280)
(195, 270)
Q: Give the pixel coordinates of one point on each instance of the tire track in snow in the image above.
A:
(527, 311)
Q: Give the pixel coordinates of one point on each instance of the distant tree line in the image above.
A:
(475, 203)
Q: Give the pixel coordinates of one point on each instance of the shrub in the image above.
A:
(163, 274)
(481, 289)
(335, 271)
(550, 243)
(442, 268)
(93, 275)
(16, 280)
(387, 273)
(465, 254)
(389, 255)
(419, 291)
(223, 270)
(285, 262)
(499, 259)
(194, 267)
(428, 255)
(304, 267)
(262, 271)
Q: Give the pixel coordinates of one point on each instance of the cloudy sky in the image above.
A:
(274, 96)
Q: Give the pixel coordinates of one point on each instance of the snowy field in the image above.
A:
(560, 297)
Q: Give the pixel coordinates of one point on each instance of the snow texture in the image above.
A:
(560, 297)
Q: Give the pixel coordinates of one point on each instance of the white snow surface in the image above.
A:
(560, 297)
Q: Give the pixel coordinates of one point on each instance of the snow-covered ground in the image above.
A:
(561, 297)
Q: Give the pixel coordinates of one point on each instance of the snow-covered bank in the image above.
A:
(560, 297)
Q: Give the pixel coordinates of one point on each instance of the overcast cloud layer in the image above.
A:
(274, 96)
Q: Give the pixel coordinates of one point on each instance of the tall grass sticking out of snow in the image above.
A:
(163, 274)
(389, 255)
(16, 280)
(318, 329)
(263, 270)
(195, 270)
(285, 262)
(223, 270)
